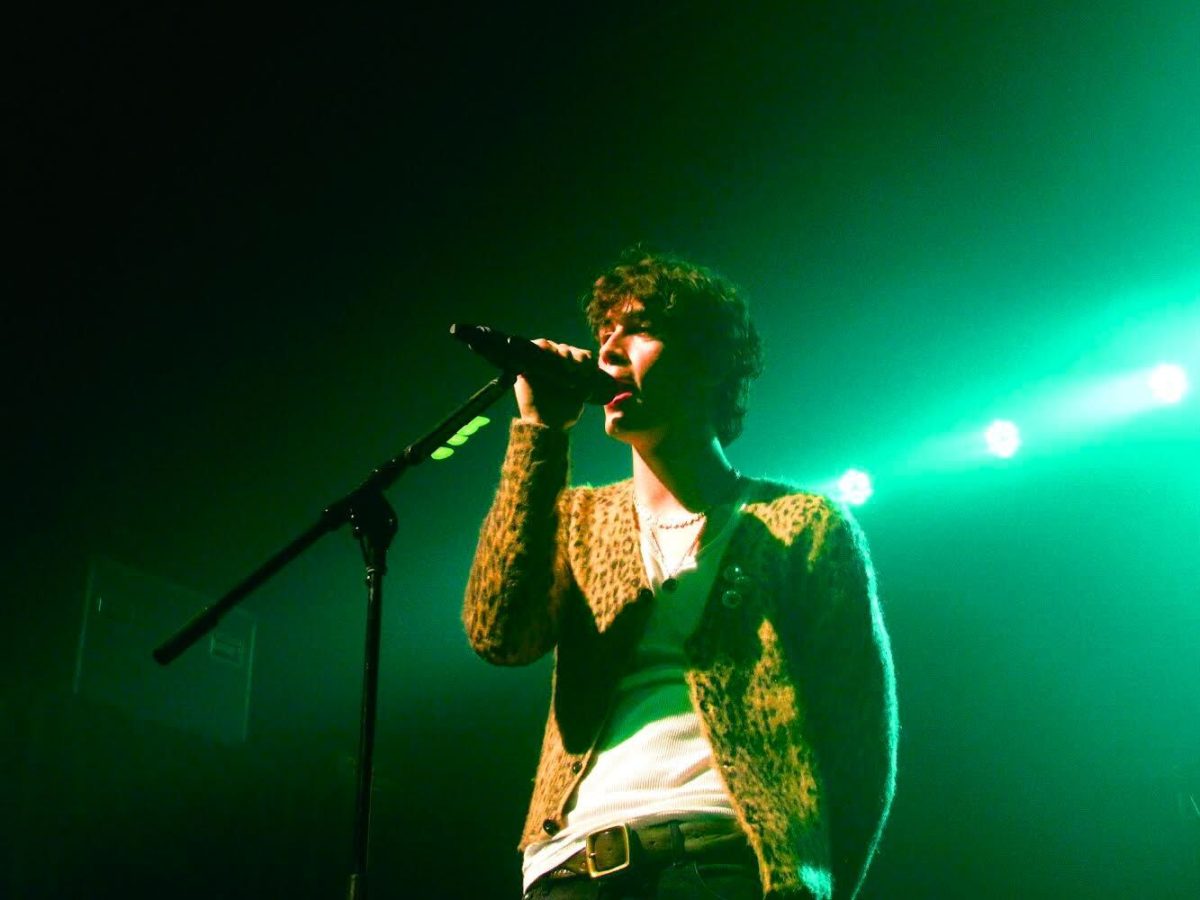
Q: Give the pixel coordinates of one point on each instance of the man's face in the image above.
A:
(663, 389)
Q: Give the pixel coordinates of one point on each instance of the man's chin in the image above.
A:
(617, 428)
(640, 438)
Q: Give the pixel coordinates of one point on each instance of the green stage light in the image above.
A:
(854, 487)
(1168, 383)
(1003, 438)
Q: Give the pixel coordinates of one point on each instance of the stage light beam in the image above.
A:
(1003, 438)
(1168, 383)
(854, 487)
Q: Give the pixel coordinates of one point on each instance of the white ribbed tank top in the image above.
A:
(652, 762)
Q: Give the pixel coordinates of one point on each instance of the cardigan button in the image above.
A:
(733, 572)
(550, 827)
(731, 599)
(576, 767)
(645, 595)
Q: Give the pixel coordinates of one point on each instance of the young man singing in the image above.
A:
(723, 719)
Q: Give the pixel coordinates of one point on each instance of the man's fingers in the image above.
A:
(564, 350)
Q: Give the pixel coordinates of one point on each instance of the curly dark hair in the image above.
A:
(695, 308)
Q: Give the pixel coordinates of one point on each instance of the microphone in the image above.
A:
(524, 357)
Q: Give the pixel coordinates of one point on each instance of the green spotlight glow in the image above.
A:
(1003, 438)
(1168, 383)
(854, 487)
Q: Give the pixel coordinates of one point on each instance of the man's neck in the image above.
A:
(682, 475)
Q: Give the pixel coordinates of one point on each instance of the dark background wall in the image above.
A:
(237, 240)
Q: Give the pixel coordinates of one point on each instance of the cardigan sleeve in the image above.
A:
(852, 693)
(520, 571)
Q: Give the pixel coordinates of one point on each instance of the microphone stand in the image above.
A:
(374, 524)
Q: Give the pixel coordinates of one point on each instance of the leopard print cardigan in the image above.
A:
(789, 670)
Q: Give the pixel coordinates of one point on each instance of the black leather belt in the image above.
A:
(615, 849)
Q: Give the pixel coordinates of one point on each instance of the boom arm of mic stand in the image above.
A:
(333, 517)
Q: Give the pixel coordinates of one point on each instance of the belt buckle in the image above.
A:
(595, 871)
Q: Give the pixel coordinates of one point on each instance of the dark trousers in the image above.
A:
(685, 880)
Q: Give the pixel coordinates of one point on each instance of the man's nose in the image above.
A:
(612, 351)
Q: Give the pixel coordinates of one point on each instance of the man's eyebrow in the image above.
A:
(629, 317)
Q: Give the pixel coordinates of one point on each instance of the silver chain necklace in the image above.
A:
(649, 518)
(670, 582)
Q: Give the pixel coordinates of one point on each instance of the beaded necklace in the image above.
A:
(656, 522)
